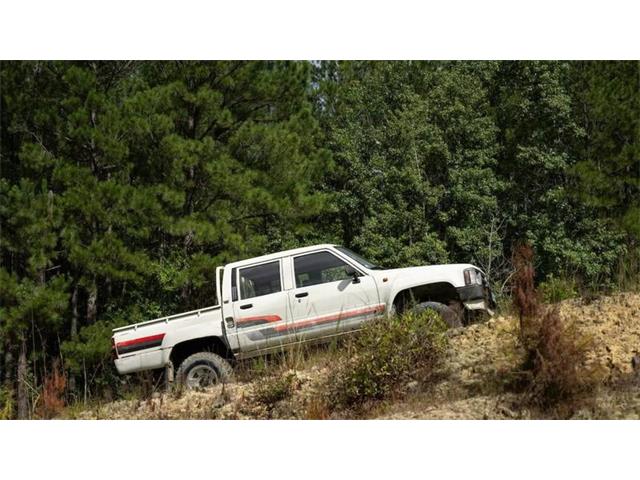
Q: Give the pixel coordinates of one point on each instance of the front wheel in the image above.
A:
(202, 370)
(449, 315)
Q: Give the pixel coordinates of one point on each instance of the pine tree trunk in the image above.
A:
(92, 303)
(2, 361)
(74, 312)
(185, 292)
(23, 402)
(107, 291)
(74, 329)
(8, 366)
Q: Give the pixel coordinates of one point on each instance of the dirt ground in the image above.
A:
(481, 352)
(467, 387)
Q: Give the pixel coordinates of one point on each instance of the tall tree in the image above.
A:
(414, 147)
(32, 292)
(537, 132)
(607, 107)
(232, 150)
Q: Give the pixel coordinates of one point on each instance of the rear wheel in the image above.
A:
(449, 315)
(202, 370)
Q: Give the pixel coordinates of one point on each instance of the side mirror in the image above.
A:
(349, 270)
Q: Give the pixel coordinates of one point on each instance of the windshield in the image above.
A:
(362, 261)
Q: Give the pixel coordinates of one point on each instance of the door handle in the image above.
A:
(246, 305)
(302, 294)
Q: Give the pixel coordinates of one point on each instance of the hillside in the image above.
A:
(468, 385)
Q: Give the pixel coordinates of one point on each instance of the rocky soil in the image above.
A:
(469, 385)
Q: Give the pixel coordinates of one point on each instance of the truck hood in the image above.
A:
(451, 273)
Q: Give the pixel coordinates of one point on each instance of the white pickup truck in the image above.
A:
(309, 294)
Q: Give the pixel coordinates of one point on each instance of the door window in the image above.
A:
(317, 268)
(260, 280)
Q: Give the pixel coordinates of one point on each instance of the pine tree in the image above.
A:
(607, 106)
(231, 148)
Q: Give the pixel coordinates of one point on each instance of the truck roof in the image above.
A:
(284, 253)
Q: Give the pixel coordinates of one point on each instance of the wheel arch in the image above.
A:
(442, 292)
(214, 344)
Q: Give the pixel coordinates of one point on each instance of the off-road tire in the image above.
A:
(204, 360)
(449, 315)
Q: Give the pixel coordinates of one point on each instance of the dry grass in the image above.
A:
(52, 400)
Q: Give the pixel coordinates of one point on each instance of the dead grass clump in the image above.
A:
(387, 353)
(317, 409)
(52, 400)
(556, 370)
(525, 296)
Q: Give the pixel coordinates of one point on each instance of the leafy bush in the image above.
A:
(554, 290)
(388, 352)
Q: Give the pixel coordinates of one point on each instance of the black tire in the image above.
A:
(449, 315)
(202, 370)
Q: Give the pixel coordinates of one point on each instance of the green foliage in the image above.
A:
(557, 289)
(414, 146)
(91, 348)
(7, 403)
(388, 352)
(607, 100)
(537, 129)
(25, 301)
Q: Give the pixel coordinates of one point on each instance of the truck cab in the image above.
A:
(309, 294)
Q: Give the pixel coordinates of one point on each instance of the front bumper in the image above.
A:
(477, 297)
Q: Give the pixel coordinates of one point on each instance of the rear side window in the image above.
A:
(317, 268)
(260, 280)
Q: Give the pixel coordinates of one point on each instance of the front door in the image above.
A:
(327, 299)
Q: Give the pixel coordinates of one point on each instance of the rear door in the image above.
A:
(325, 299)
(260, 306)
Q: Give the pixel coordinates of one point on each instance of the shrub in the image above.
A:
(273, 389)
(554, 290)
(555, 370)
(386, 353)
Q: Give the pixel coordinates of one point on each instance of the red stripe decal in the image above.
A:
(135, 341)
(266, 318)
(331, 318)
